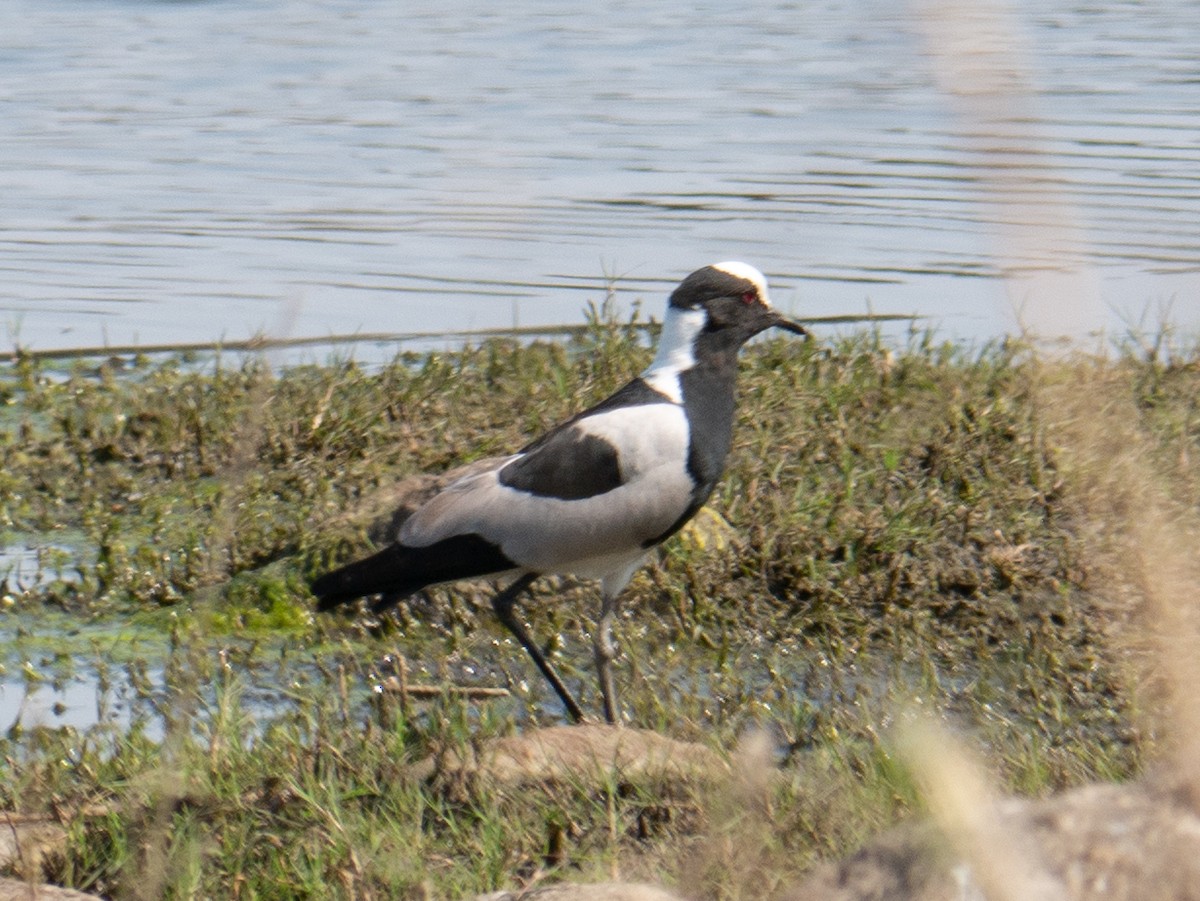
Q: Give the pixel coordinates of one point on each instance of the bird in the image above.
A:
(593, 496)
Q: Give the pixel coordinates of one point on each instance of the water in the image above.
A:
(79, 702)
(198, 171)
(110, 675)
(61, 671)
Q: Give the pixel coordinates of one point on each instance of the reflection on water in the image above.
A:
(191, 172)
(111, 676)
(81, 703)
(59, 670)
(33, 561)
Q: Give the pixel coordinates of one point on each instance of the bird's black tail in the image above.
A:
(389, 571)
(398, 570)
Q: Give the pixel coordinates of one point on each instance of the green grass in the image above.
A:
(904, 531)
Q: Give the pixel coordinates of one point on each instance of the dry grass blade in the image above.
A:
(1004, 865)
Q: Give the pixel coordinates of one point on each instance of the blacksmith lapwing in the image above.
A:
(594, 495)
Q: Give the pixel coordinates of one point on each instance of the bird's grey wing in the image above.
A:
(441, 515)
(615, 479)
(568, 464)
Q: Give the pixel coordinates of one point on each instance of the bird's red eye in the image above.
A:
(748, 297)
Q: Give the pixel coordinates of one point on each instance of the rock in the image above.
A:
(571, 753)
(26, 840)
(16, 890)
(600, 891)
(1134, 842)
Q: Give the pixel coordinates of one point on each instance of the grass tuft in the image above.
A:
(899, 527)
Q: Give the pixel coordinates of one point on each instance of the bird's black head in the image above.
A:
(734, 299)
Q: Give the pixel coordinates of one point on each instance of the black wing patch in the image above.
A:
(568, 464)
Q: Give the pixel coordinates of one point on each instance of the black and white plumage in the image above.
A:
(594, 495)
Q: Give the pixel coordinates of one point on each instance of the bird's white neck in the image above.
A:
(676, 351)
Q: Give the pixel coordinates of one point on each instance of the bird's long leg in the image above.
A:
(605, 651)
(503, 603)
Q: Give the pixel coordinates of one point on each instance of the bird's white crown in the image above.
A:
(749, 273)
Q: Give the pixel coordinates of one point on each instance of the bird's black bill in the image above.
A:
(789, 326)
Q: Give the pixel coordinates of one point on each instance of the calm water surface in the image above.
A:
(195, 171)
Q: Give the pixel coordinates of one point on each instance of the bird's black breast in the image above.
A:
(709, 403)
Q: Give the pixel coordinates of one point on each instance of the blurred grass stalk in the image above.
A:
(981, 60)
(977, 51)
(963, 802)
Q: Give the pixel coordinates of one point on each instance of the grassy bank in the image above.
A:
(898, 528)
